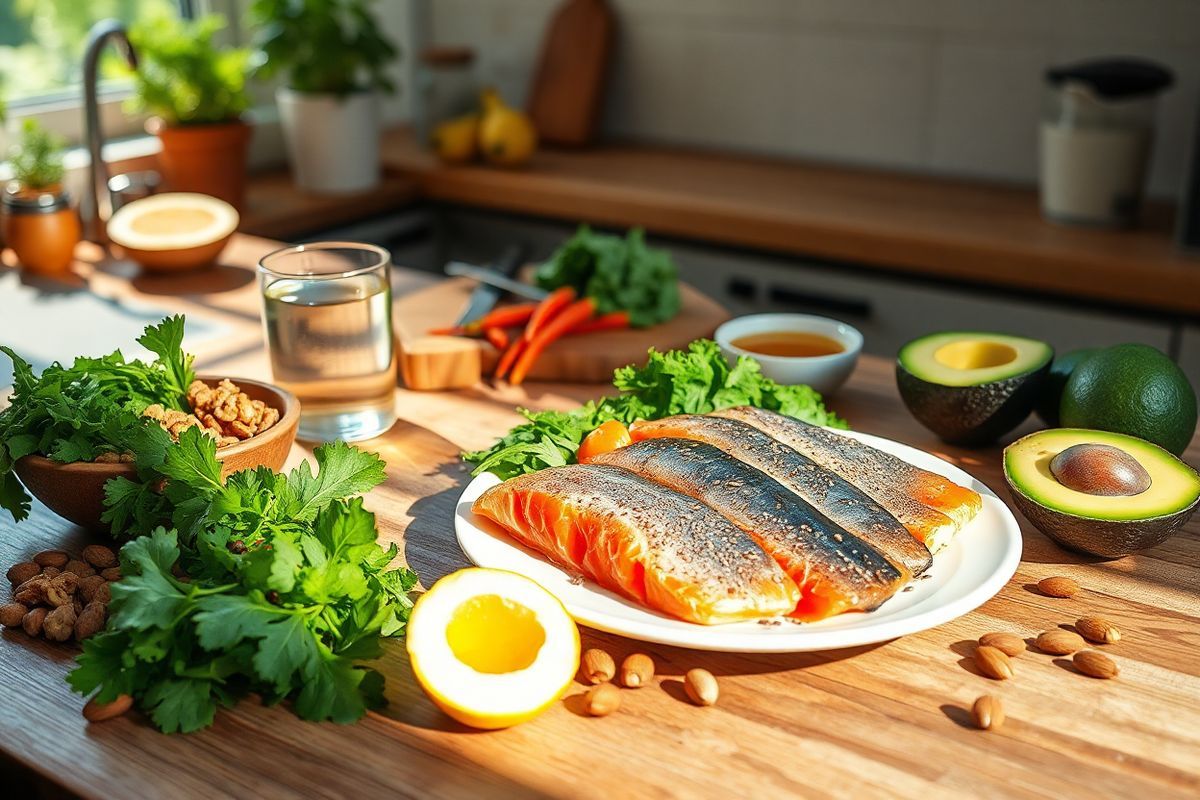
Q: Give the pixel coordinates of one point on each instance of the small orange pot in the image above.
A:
(41, 227)
(209, 159)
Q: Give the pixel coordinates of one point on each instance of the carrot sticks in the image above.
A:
(548, 309)
(568, 318)
(613, 321)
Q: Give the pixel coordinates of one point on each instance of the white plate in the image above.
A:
(966, 574)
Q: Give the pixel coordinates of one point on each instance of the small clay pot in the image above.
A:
(209, 159)
(41, 227)
(76, 491)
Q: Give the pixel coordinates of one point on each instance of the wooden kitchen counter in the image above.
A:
(882, 720)
(947, 229)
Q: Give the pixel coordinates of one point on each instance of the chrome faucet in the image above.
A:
(90, 205)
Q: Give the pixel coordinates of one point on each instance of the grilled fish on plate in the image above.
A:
(835, 570)
(932, 507)
(828, 492)
(649, 543)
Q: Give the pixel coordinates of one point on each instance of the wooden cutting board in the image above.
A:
(584, 359)
(568, 85)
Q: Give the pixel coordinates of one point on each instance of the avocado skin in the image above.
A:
(1056, 380)
(1126, 389)
(1097, 537)
(971, 415)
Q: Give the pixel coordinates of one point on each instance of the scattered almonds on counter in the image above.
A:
(993, 663)
(1009, 643)
(602, 699)
(1095, 664)
(60, 597)
(636, 670)
(701, 686)
(1058, 642)
(1058, 586)
(987, 713)
(598, 666)
(100, 712)
(1098, 630)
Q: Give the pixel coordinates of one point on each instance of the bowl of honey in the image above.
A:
(794, 348)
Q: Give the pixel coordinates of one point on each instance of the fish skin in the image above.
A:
(832, 495)
(835, 570)
(932, 507)
(651, 544)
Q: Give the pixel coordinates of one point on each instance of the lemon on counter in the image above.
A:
(455, 140)
(492, 648)
(506, 136)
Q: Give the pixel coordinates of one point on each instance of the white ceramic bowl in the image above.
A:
(823, 373)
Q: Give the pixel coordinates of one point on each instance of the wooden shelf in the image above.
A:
(277, 209)
(948, 229)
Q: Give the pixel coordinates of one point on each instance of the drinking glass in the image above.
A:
(327, 311)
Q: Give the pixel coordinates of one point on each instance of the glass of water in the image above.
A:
(327, 309)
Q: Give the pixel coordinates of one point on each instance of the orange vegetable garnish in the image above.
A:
(609, 436)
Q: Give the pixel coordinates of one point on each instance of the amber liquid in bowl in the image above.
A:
(789, 344)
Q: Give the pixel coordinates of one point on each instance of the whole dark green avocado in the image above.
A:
(1056, 380)
(1133, 389)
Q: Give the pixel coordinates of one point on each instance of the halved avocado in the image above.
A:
(1113, 524)
(970, 387)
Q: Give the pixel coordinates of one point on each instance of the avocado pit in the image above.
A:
(1100, 469)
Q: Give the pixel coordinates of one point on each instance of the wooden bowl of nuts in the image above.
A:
(253, 422)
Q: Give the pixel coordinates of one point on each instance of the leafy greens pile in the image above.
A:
(693, 381)
(618, 274)
(94, 406)
(286, 588)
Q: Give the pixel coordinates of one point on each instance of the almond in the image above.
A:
(99, 712)
(80, 568)
(32, 622)
(52, 558)
(1098, 630)
(99, 556)
(1009, 643)
(1059, 642)
(993, 663)
(701, 686)
(1058, 586)
(19, 573)
(987, 713)
(1095, 664)
(598, 666)
(602, 700)
(11, 614)
(636, 671)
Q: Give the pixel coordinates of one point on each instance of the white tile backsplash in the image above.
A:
(947, 86)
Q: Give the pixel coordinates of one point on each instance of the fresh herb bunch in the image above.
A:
(37, 161)
(94, 406)
(693, 381)
(618, 274)
(287, 590)
(182, 76)
(322, 46)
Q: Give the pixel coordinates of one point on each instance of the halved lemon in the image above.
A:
(492, 648)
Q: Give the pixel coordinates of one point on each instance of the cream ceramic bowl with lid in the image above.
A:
(825, 373)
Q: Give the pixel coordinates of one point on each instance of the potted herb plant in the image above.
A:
(333, 59)
(196, 92)
(39, 223)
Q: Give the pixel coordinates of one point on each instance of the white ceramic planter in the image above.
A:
(332, 142)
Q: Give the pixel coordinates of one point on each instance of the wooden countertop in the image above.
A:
(961, 231)
(883, 720)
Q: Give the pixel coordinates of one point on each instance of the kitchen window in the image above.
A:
(41, 60)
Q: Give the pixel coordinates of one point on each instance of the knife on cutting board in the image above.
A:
(485, 296)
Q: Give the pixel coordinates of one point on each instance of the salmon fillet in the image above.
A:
(931, 506)
(835, 570)
(828, 492)
(648, 543)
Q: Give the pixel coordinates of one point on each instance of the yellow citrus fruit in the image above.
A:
(492, 648)
(507, 137)
(454, 141)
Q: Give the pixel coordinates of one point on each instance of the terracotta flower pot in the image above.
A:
(209, 159)
(41, 227)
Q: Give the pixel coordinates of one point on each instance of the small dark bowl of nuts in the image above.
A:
(253, 422)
